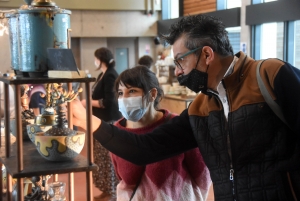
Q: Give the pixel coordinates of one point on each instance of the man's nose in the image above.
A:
(177, 71)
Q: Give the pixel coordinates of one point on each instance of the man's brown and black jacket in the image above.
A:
(252, 155)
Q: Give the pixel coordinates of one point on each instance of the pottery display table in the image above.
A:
(21, 159)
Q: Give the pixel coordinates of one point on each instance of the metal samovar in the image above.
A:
(33, 28)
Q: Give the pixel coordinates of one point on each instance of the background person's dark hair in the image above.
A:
(146, 61)
(143, 78)
(105, 56)
(201, 30)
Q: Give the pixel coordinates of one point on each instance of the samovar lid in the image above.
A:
(36, 6)
(43, 3)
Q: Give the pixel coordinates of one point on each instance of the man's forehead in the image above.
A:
(179, 47)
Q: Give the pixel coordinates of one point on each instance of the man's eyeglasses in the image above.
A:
(180, 59)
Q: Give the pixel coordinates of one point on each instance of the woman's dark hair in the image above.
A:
(105, 56)
(143, 78)
(201, 30)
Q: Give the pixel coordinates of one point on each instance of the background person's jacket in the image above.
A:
(104, 90)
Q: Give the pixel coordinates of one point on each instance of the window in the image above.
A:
(272, 40)
(227, 4)
(269, 41)
(174, 9)
(233, 32)
(297, 44)
(170, 9)
(293, 44)
(233, 3)
(261, 1)
(234, 38)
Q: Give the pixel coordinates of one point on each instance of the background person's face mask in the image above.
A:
(97, 64)
(132, 108)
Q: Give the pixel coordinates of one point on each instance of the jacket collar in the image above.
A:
(239, 70)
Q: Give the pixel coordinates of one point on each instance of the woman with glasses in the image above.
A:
(182, 177)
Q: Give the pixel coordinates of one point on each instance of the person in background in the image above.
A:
(36, 101)
(250, 152)
(182, 177)
(104, 106)
(146, 61)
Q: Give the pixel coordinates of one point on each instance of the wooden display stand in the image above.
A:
(21, 159)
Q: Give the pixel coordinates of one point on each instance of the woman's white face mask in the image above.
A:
(97, 63)
(132, 108)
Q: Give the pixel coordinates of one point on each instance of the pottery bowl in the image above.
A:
(33, 129)
(59, 148)
(13, 127)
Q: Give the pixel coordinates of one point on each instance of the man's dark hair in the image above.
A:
(145, 61)
(143, 78)
(201, 30)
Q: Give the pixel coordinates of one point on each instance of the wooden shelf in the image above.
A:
(35, 164)
(42, 80)
(21, 159)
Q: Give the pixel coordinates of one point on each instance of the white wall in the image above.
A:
(245, 29)
(113, 24)
(87, 49)
(143, 44)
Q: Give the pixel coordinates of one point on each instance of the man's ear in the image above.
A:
(209, 54)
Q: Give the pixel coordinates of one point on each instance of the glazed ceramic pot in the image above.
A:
(33, 129)
(59, 148)
(46, 119)
(25, 122)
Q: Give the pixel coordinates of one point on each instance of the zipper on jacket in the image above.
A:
(231, 171)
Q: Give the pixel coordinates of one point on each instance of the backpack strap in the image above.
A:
(272, 104)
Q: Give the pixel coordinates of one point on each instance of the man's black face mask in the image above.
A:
(195, 81)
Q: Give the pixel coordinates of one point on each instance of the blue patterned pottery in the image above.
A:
(59, 148)
(33, 129)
